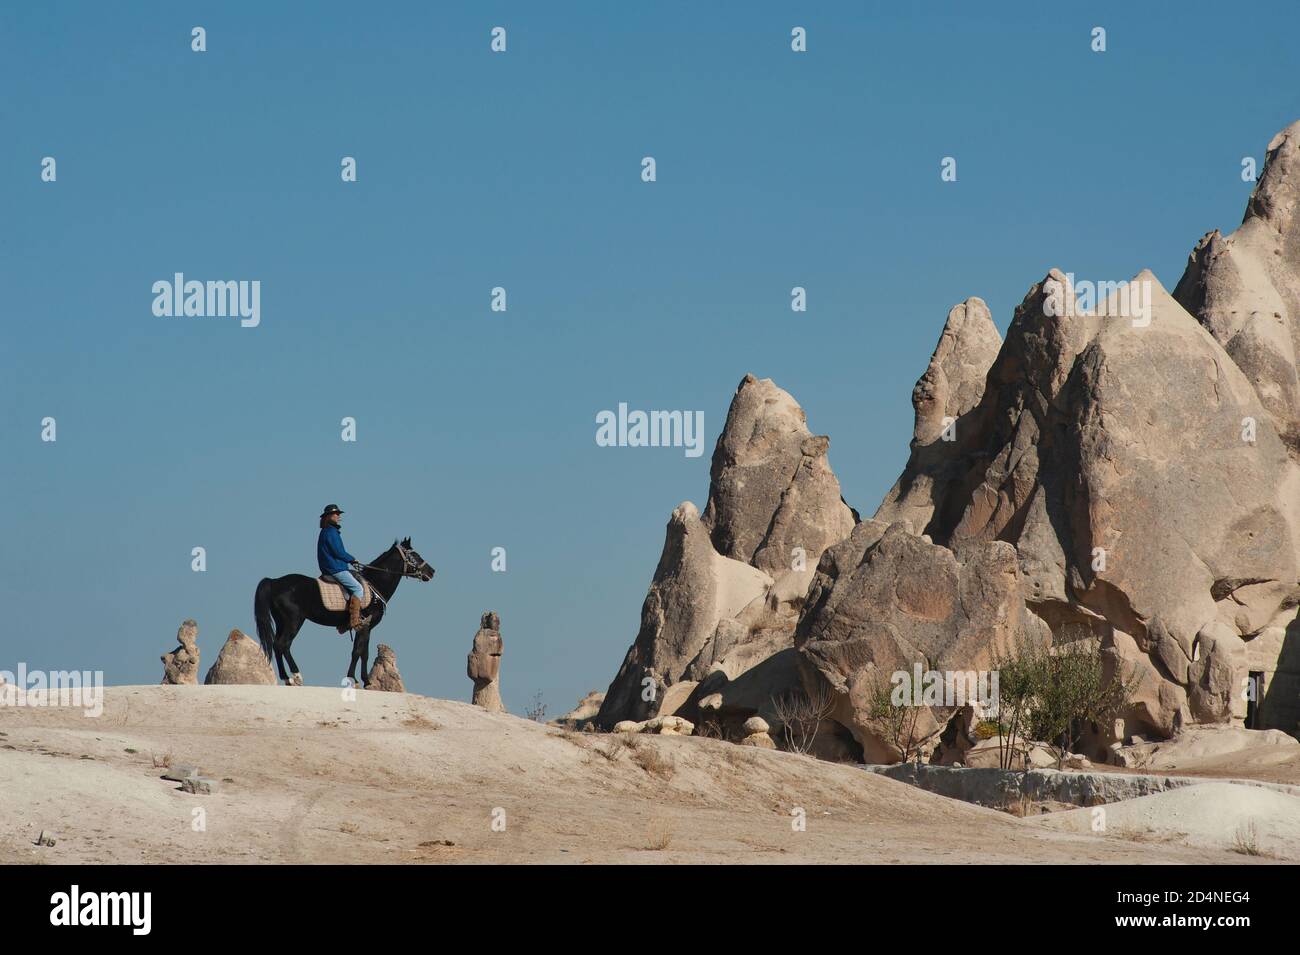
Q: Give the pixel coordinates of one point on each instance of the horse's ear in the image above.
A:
(407, 542)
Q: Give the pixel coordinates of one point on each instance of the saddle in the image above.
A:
(334, 597)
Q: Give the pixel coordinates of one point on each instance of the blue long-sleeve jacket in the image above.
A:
(330, 554)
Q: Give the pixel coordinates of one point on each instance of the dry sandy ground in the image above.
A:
(1213, 814)
(307, 776)
(1266, 755)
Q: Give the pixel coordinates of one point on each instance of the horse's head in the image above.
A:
(413, 565)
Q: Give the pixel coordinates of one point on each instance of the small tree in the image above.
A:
(897, 721)
(1050, 693)
(1074, 691)
(1020, 675)
(800, 716)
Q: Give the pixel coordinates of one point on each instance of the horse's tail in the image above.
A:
(262, 614)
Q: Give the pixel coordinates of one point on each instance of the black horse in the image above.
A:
(290, 600)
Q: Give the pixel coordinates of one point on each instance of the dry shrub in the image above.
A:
(536, 711)
(652, 761)
(1019, 807)
(712, 728)
(610, 747)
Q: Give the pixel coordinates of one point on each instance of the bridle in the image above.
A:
(410, 567)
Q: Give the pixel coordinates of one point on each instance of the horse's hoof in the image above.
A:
(297, 680)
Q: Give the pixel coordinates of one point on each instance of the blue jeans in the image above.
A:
(350, 583)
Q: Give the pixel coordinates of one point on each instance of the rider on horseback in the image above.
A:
(337, 564)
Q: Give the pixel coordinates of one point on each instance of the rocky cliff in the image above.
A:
(1125, 469)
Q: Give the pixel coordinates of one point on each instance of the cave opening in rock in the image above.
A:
(1255, 692)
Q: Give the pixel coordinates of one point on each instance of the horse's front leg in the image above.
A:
(363, 643)
(352, 664)
(279, 662)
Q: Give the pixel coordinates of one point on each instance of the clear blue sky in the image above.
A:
(476, 429)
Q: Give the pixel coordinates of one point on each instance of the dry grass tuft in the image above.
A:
(1246, 840)
(653, 761)
(418, 721)
(658, 838)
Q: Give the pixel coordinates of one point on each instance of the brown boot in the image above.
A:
(354, 613)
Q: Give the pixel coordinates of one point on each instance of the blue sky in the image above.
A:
(522, 170)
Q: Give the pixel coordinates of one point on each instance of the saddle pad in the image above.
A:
(334, 597)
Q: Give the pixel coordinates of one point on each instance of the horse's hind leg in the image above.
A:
(283, 640)
(296, 679)
(274, 648)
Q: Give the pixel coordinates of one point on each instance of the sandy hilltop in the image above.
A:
(304, 775)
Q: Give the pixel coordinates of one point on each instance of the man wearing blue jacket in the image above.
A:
(336, 563)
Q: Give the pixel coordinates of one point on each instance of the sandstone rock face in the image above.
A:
(726, 594)
(1145, 490)
(886, 600)
(694, 588)
(772, 490)
(1192, 518)
(1245, 287)
(950, 389)
(240, 661)
(384, 675)
(1124, 467)
(181, 666)
(484, 664)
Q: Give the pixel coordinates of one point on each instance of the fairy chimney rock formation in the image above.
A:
(181, 666)
(725, 596)
(241, 661)
(1123, 468)
(944, 396)
(384, 675)
(484, 664)
(771, 489)
(1245, 287)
